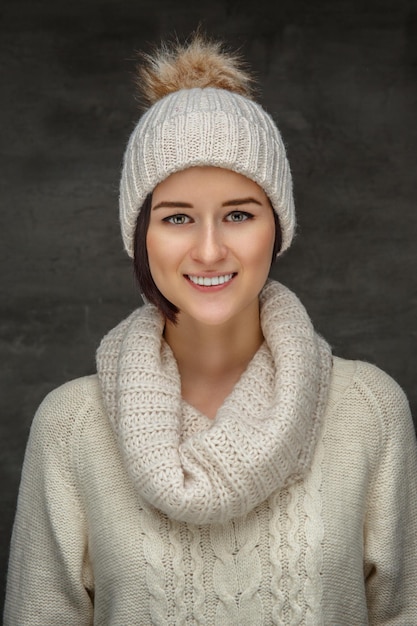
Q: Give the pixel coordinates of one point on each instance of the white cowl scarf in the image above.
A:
(254, 446)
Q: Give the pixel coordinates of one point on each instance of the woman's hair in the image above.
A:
(141, 262)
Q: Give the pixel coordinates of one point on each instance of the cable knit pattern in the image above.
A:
(314, 535)
(255, 445)
(237, 572)
(197, 566)
(248, 566)
(278, 504)
(153, 554)
(87, 548)
(296, 518)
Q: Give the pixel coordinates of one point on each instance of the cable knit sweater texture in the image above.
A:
(295, 506)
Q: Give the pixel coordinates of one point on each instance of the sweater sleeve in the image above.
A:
(49, 575)
(391, 523)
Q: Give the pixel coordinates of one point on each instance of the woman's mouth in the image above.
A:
(212, 281)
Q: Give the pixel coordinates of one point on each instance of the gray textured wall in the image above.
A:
(339, 78)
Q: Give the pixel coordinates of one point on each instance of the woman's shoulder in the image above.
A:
(369, 395)
(64, 406)
(75, 392)
(64, 416)
(350, 373)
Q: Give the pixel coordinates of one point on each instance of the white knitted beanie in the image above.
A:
(197, 126)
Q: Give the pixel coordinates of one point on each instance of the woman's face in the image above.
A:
(210, 241)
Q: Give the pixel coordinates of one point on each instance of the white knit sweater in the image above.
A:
(335, 543)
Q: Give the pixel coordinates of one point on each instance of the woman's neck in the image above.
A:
(211, 359)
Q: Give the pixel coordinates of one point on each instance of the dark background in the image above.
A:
(338, 76)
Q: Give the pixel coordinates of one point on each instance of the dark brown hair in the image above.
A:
(141, 262)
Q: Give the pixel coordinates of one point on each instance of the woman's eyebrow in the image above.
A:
(239, 201)
(165, 204)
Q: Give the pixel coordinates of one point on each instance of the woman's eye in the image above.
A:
(238, 216)
(177, 219)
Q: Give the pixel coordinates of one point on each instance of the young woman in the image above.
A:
(222, 467)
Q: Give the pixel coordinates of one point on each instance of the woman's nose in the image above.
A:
(209, 246)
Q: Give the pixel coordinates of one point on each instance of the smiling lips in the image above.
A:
(214, 281)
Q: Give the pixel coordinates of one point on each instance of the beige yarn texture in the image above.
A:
(257, 443)
(196, 127)
(337, 547)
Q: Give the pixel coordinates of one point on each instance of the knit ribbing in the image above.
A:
(197, 127)
(256, 444)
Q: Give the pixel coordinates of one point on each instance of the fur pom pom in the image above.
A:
(201, 62)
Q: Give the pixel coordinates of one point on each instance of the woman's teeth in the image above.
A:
(210, 282)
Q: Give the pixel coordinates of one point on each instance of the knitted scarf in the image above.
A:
(257, 445)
